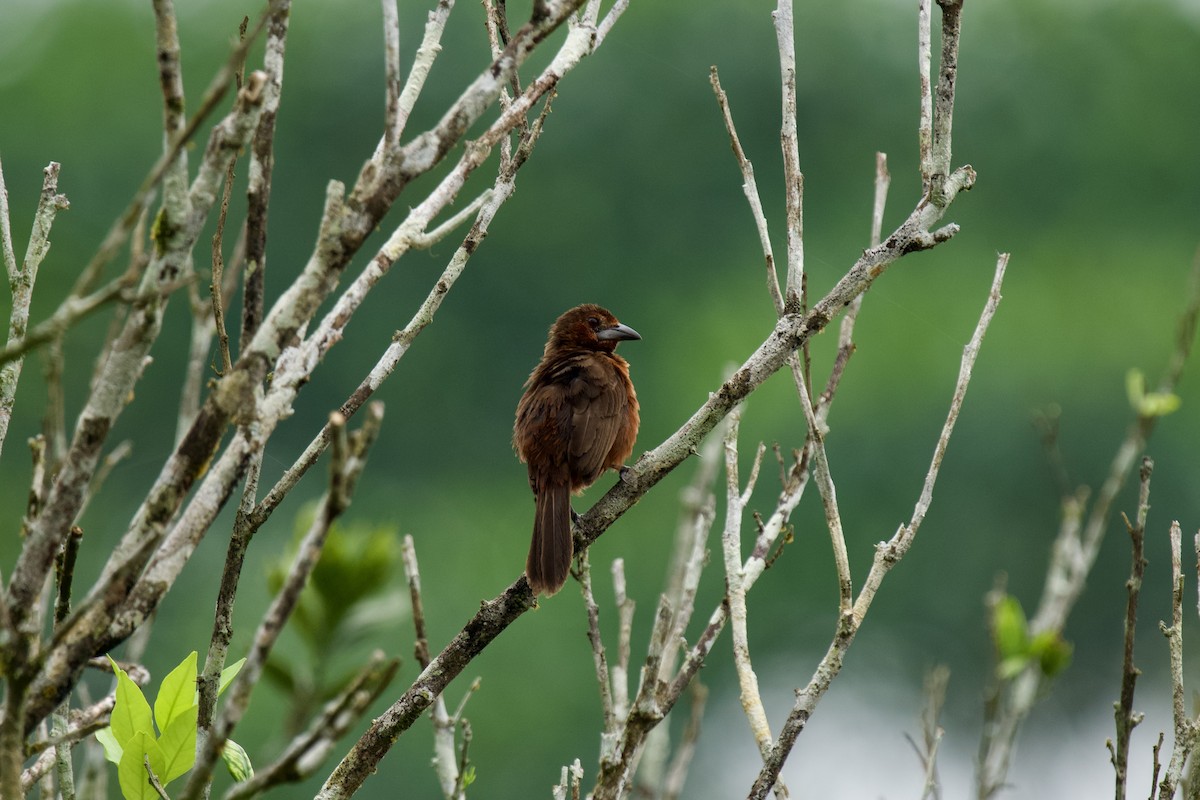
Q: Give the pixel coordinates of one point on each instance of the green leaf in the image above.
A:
(1148, 404)
(1010, 628)
(229, 673)
(112, 748)
(178, 743)
(237, 761)
(468, 776)
(1052, 651)
(131, 772)
(1159, 404)
(131, 714)
(177, 693)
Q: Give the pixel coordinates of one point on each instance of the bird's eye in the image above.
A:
(595, 323)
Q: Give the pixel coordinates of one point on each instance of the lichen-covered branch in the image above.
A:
(1126, 718)
(21, 280)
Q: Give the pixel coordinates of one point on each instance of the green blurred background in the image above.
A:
(1082, 121)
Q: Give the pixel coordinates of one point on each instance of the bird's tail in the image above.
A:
(550, 552)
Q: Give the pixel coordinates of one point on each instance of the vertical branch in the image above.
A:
(6, 240)
(931, 731)
(599, 657)
(1185, 728)
(218, 272)
(924, 67)
(391, 58)
(262, 165)
(735, 588)
(943, 109)
(1126, 717)
(449, 769)
(427, 52)
(21, 279)
(625, 608)
(792, 176)
(170, 77)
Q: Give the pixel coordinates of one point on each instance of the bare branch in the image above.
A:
(391, 58)
(445, 763)
(262, 165)
(750, 187)
(931, 731)
(21, 281)
(1126, 717)
(599, 658)
(887, 555)
(793, 178)
(1185, 728)
(735, 591)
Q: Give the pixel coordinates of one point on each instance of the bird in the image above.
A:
(577, 417)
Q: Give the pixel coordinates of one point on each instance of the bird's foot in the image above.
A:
(575, 518)
(623, 474)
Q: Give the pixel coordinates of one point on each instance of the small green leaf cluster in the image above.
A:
(357, 563)
(351, 594)
(1148, 404)
(132, 743)
(1017, 649)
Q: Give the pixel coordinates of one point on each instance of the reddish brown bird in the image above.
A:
(577, 418)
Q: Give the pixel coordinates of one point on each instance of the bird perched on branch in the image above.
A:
(577, 418)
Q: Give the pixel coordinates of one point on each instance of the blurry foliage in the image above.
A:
(352, 595)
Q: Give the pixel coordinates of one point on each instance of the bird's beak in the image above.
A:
(618, 333)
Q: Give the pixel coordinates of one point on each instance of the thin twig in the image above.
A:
(793, 178)
(883, 180)
(121, 227)
(936, 680)
(750, 188)
(599, 658)
(1126, 717)
(218, 271)
(445, 762)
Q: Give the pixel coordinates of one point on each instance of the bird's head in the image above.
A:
(590, 327)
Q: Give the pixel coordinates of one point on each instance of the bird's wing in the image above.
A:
(598, 403)
(542, 434)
